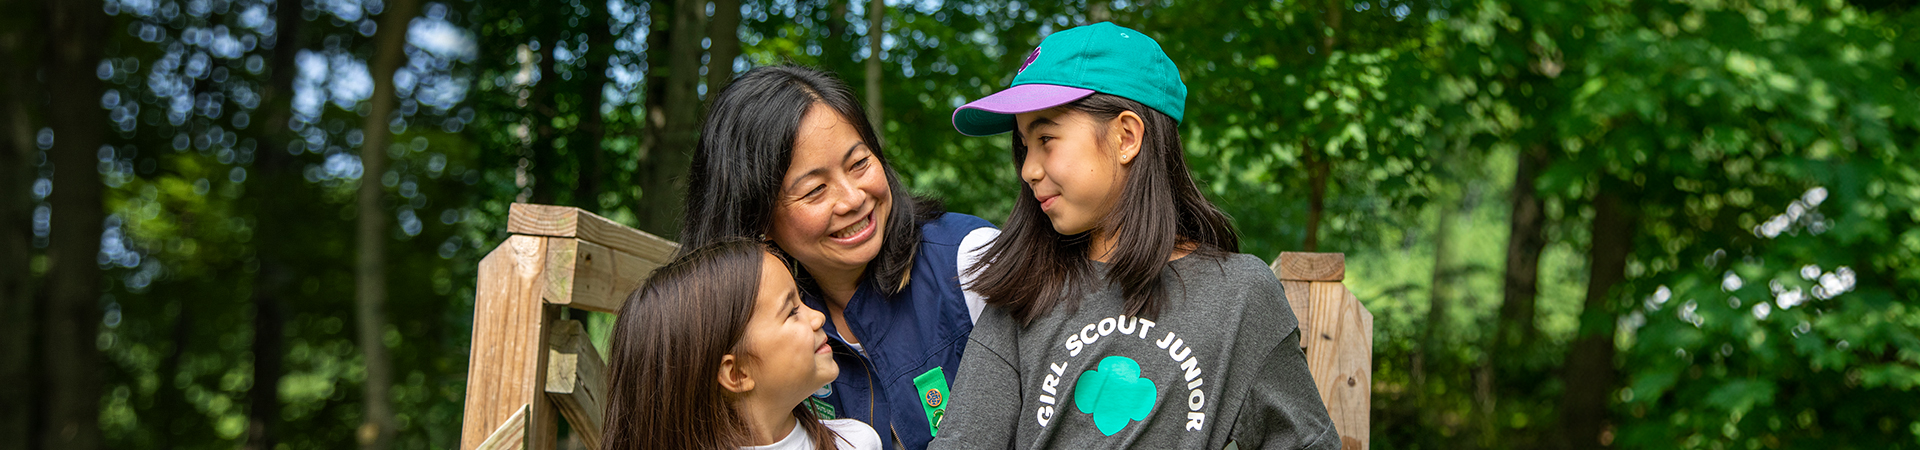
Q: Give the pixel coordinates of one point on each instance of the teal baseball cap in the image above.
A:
(1077, 62)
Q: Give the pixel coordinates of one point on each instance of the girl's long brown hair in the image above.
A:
(1030, 269)
(667, 346)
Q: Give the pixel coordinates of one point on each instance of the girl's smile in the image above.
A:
(1074, 165)
(790, 357)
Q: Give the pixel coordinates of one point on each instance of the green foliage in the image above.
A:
(1767, 142)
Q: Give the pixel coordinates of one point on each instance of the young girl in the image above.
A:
(1120, 314)
(716, 352)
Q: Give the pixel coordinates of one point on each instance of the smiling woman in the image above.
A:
(787, 156)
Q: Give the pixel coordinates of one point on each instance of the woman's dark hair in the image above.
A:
(1030, 269)
(747, 145)
(667, 346)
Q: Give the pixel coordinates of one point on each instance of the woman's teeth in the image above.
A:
(853, 229)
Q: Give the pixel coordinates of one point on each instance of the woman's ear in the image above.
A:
(733, 377)
(1125, 132)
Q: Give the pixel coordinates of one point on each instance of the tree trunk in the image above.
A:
(1590, 377)
(592, 173)
(541, 111)
(72, 364)
(17, 153)
(273, 178)
(1317, 174)
(1524, 243)
(834, 52)
(371, 283)
(1439, 290)
(1320, 164)
(659, 35)
(725, 34)
(876, 36)
(660, 193)
(17, 175)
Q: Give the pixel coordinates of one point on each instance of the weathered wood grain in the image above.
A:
(1340, 358)
(1299, 297)
(506, 366)
(577, 380)
(511, 435)
(1298, 266)
(566, 221)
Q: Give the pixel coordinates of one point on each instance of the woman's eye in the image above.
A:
(793, 312)
(862, 163)
(1044, 139)
(816, 191)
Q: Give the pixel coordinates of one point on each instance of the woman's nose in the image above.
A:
(851, 197)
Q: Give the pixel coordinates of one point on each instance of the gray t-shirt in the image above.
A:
(1222, 363)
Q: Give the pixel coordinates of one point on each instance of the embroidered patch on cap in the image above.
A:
(1030, 57)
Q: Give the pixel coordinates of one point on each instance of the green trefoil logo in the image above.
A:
(1115, 394)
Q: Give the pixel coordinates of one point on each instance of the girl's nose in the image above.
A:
(1030, 169)
(816, 319)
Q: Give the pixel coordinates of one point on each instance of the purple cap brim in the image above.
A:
(994, 114)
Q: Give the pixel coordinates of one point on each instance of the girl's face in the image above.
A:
(834, 200)
(1076, 170)
(790, 357)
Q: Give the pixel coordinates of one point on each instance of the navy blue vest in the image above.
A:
(921, 329)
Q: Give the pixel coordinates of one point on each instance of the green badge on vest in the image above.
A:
(821, 408)
(933, 397)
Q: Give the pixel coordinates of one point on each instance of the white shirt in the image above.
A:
(854, 435)
(972, 248)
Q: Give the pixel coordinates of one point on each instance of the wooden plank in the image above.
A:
(565, 221)
(1298, 295)
(629, 272)
(585, 275)
(511, 435)
(505, 367)
(561, 260)
(1341, 360)
(577, 380)
(1298, 266)
(1359, 420)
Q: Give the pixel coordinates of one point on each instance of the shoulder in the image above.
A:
(854, 434)
(951, 228)
(1239, 270)
(1239, 282)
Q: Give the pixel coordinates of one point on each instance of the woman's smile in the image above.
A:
(857, 232)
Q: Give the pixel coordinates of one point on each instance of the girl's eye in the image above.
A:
(793, 312)
(1044, 139)
(862, 163)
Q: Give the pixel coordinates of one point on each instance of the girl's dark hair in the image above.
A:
(1031, 269)
(747, 145)
(667, 346)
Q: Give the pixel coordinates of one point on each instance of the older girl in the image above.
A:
(1121, 314)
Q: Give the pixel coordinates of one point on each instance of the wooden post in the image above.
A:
(507, 367)
(577, 380)
(1337, 332)
(556, 257)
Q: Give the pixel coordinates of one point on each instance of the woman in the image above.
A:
(787, 156)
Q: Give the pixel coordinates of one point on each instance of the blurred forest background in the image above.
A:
(1580, 224)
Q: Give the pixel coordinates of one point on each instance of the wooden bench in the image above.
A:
(530, 364)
